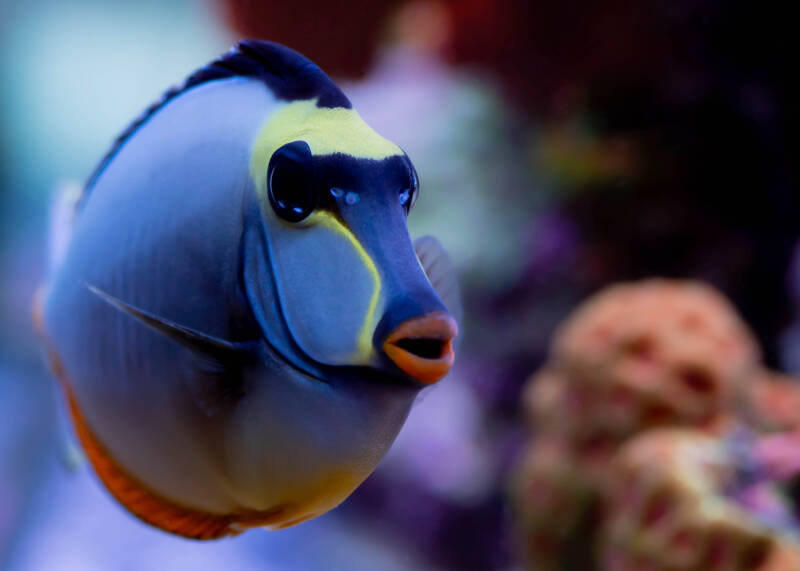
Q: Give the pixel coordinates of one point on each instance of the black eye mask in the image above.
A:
(290, 182)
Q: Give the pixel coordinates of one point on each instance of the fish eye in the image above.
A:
(408, 196)
(290, 182)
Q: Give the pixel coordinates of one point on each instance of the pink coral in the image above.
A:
(605, 469)
(772, 402)
(669, 507)
(659, 352)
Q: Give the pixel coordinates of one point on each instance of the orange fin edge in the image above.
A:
(147, 506)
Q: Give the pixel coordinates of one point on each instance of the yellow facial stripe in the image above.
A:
(326, 131)
(327, 220)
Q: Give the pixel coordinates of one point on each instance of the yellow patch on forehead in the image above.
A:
(326, 130)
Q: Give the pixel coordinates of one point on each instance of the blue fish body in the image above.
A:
(240, 321)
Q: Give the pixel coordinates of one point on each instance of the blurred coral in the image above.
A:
(657, 352)
(643, 455)
(555, 495)
(672, 505)
(773, 401)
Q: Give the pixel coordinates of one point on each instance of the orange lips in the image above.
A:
(423, 347)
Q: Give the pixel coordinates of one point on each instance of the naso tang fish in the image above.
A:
(240, 321)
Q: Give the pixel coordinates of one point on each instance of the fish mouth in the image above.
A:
(422, 347)
(332, 375)
(300, 362)
(295, 358)
(336, 375)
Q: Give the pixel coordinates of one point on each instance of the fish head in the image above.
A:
(351, 292)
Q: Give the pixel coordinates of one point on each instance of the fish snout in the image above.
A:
(422, 347)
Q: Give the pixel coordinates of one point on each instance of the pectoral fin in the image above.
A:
(214, 368)
(441, 273)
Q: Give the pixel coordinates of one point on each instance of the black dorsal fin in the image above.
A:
(288, 74)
